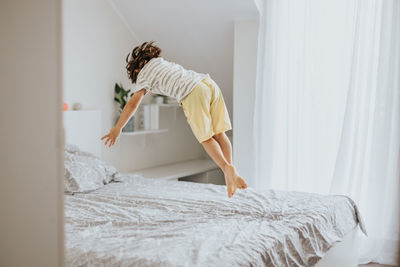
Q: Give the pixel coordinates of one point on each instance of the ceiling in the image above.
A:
(196, 34)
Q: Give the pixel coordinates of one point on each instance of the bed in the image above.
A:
(136, 221)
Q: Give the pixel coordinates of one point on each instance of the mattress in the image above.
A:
(149, 222)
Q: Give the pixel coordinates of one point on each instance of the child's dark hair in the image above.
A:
(139, 57)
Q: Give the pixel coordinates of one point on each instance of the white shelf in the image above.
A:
(179, 169)
(140, 132)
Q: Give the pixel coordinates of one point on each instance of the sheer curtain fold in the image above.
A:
(367, 166)
(327, 108)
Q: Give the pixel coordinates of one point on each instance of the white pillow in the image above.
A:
(85, 172)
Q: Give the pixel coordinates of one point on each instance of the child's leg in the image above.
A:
(214, 150)
(226, 148)
(225, 145)
(232, 179)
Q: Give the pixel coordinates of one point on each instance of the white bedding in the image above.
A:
(147, 222)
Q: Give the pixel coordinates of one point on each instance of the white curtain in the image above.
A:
(327, 116)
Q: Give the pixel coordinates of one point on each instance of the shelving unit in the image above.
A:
(148, 132)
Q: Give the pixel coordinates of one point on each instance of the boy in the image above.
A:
(199, 96)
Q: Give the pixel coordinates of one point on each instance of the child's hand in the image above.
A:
(112, 137)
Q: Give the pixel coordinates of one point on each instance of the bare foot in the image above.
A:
(240, 183)
(233, 180)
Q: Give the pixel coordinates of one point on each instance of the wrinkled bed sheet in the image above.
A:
(148, 222)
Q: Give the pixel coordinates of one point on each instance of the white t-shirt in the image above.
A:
(167, 78)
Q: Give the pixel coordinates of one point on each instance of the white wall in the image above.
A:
(31, 198)
(244, 83)
(96, 43)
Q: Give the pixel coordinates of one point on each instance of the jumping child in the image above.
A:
(199, 96)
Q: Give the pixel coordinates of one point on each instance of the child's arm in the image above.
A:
(128, 111)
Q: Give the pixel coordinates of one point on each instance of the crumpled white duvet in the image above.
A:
(148, 222)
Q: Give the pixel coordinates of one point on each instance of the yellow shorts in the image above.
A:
(205, 110)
